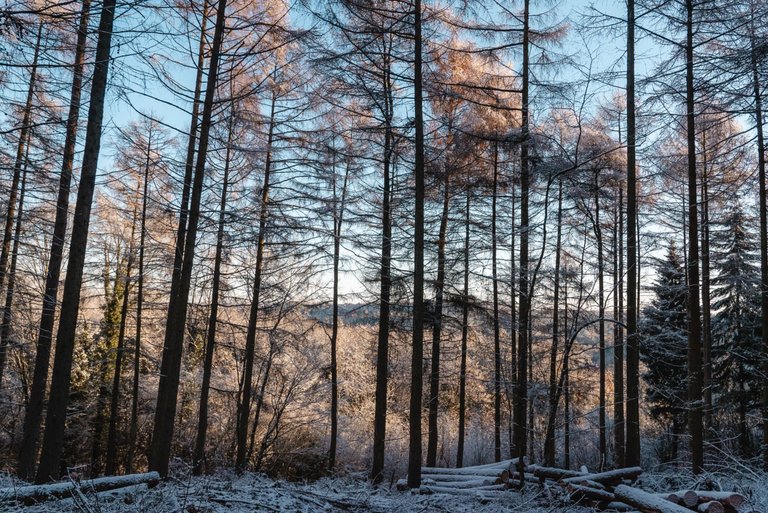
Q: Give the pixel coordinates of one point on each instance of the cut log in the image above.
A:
(477, 483)
(460, 477)
(731, 499)
(609, 477)
(617, 506)
(711, 507)
(37, 493)
(578, 491)
(430, 489)
(465, 471)
(647, 501)
(554, 473)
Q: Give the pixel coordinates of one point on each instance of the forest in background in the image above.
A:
(308, 237)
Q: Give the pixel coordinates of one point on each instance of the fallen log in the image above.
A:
(554, 473)
(38, 493)
(462, 484)
(616, 506)
(460, 477)
(647, 501)
(731, 499)
(578, 491)
(466, 471)
(430, 489)
(609, 477)
(711, 507)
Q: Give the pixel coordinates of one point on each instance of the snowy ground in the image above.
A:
(228, 492)
(250, 493)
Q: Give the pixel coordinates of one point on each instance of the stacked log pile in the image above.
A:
(606, 491)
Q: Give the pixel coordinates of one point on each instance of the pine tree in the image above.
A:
(664, 343)
(736, 326)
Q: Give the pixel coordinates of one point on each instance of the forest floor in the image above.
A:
(228, 492)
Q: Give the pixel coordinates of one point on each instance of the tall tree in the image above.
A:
(53, 438)
(414, 430)
(633, 353)
(18, 167)
(165, 411)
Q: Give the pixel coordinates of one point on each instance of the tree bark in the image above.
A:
(382, 348)
(521, 388)
(763, 229)
(417, 355)
(338, 220)
(18, 167)
(434, 375)
(53, 437)
(549, 438)
(115, 395)
(618, 340)
(633, 343)
(198, 458)
(464, 338)
(244, 406)
(165, 410)
(34, 412)
(134, 422)
(496, 329)
(695, 425)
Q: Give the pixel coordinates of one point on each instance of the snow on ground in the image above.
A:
(227, 492)
(232, 493)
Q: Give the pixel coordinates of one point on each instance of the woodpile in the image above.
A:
(606, 491)
(38, 493)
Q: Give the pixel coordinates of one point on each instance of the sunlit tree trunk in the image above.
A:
(165, 410)
(53, 437)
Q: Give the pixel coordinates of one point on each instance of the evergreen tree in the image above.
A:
(736, 326)
(664, 343)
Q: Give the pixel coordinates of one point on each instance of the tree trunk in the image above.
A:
(618, 333)
(521, 388)
(382, 349)
(18, 166)
(198, 458)
(601, 324)
(464, 337)
(695, 425)
(5, 330)
(706, 308)
(414, 424)
(496, 330)
(244, 406)
(189, 167)
(115, 395)
(53, 438)
(34, 411)
(434, 375)
(566, 389)
(338, 219)
(549, 438)
(134, 422)
(165, 410)
(763, 231)
(633, 343)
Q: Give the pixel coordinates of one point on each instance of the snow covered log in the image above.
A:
(477, 483)
(609, 477)
(430, 489)
(36, 493)
(554, 473)
(647, 501)
(578, 491)
(497, 469)
(449, 478)
(711, 507)
(730, 499)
